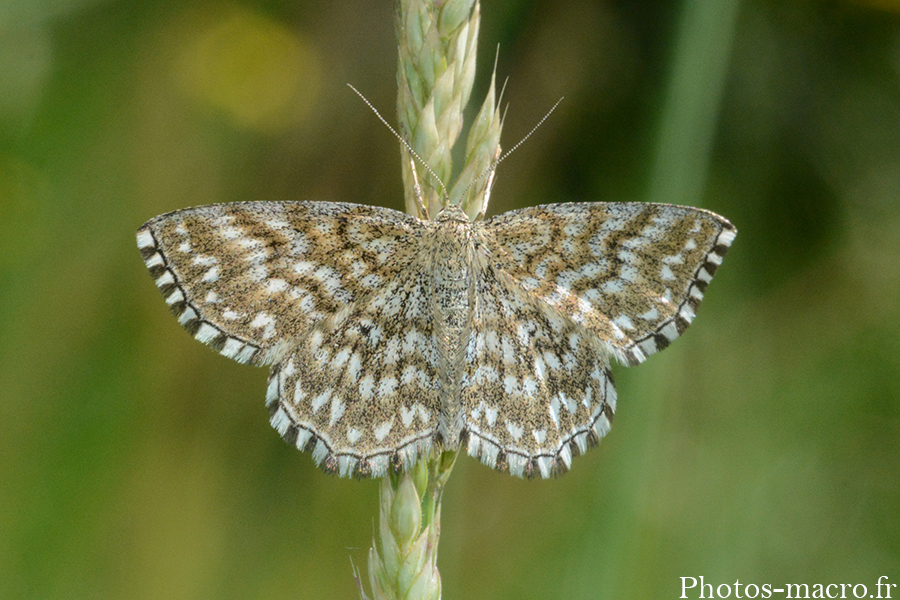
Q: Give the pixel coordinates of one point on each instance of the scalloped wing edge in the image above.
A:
(670, 330)
(241, 350)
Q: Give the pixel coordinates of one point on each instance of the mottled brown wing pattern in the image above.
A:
(634, 273)
(392, 337)
(250, 278)
(361, 392)
(536, 387)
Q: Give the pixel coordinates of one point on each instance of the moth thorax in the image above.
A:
(451, 295)
(452, 282)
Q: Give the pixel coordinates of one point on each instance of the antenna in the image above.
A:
(412, 164)
(491, 171)
(533, 129)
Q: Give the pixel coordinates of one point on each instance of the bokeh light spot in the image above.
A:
(252, 68)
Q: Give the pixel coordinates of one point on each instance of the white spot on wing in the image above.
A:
(337, 410)
(624, 321)
(232, 347)
(154, 261)
(165, 279)
(145, 239)
(175, 297)
(490, 414)
(204, 261)
(321, 400)
(211, 275)
(354, 367)
(514, 430)
(206, 333)
(303, 437)
(650, 315)
(387, 386)
(383, 430)
(280, 421)
(276, 285)
(543, 463)
(187, 315)
(539, 368)
(613, 286)
(272, 391)
(406, 415)
(367, 387)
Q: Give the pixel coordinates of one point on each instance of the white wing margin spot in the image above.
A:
(670, 330)
(187, 314)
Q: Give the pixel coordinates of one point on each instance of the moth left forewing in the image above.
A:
(248, 278)
(634, 273)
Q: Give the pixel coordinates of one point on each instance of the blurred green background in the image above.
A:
(763, 446)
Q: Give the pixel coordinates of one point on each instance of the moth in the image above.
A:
(390, 337)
